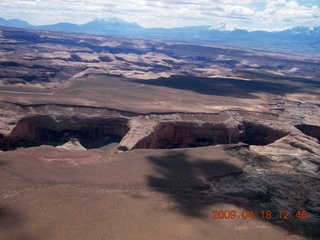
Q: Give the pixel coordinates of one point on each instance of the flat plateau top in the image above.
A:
(48, 193)
(175, 94)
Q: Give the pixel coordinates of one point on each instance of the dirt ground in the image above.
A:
(48, 193)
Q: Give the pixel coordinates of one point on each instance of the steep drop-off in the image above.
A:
(167, 135)
(55, 125)
(310, 130)
(95, 132)
(92, 132)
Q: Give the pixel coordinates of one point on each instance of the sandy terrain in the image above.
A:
(112, 196)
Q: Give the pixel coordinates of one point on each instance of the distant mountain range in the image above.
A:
(14, 23)
(298, 39)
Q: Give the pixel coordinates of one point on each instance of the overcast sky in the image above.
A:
(248, 14)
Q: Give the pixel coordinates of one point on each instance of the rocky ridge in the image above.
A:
(56, 124)
(279, 149)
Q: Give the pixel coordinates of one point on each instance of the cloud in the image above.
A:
(290, 12)
(167, 13)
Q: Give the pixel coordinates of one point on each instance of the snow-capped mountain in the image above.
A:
(292, 39)
(113, 21)
(301, 30)
(223, 27)
(108, 25)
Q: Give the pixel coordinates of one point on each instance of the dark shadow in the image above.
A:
(9, 218)
(13, 221)
(196, 184)
(182, 178)
(44, 130)
(3, 163)
(223, 86)
(279, 78)
(101, 141)
(310, 130)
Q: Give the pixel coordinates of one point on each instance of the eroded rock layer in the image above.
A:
(34, 125)
(42, 129)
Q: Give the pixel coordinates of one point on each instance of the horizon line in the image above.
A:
(117, 18)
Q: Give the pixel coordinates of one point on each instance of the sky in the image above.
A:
(244, 14)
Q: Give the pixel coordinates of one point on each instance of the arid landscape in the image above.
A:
(131, 138)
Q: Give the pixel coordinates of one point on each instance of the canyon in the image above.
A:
(94, 127)
(120, 138)
(243, 159)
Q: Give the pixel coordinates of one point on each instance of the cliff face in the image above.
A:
(191, 135)
(39, 129)
(5, 143)
(184, 134)
(141, 132)
(292, 144)
(310, 130)
(97, 127)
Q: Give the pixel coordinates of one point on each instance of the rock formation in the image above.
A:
(73, 144)
(94, 127)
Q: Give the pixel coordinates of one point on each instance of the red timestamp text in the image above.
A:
(285, 214)
(232, 214)
(264, 214)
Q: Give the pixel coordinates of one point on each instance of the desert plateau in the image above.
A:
(123, 137)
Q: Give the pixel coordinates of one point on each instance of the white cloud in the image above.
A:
(168, 13)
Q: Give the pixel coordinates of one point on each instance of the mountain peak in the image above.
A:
(14, 23)
(113, 23)
(223, 27)
(110, 20)
(304, 30)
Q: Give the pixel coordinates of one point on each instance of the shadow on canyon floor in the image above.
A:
(265, 75)
(13, 221)
(183, 178)
(223, 86)
(9, 218)
(187, 182)
(3, 163)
